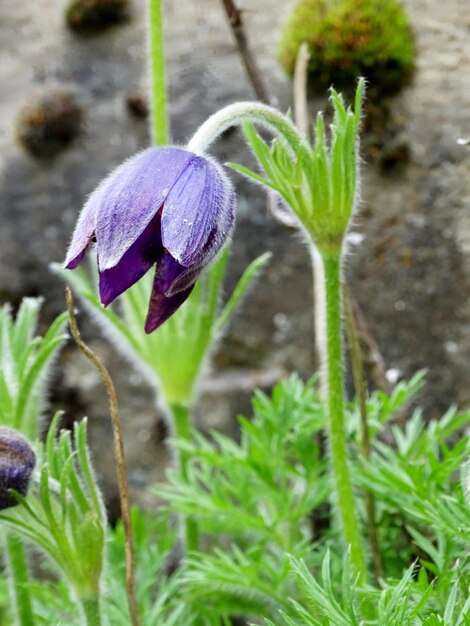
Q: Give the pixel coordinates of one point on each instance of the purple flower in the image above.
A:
(166, 206)
(17, 461)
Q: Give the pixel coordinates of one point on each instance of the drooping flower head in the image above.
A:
(17, 461)
(164, 206)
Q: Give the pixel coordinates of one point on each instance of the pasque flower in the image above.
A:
(164, 206)
(17, 461)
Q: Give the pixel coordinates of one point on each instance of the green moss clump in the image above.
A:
(351, 38)
(95, 15)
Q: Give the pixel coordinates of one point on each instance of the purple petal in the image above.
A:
(84, 232)
(129, 198)
(213, 245)
(161, 307)
(196, 203)
(136, 262)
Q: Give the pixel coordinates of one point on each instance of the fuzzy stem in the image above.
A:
(256, 112)
(91, 610)
(319, 320)
(300, 89)
(337, 430)
(182, 426)
(18, 579)
(119, 456)
(158, 117)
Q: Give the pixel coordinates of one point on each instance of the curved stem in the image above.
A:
(18, 580)
(158, 117)
(256, 112)
(182, 425)
(337, 430)
(119, 456)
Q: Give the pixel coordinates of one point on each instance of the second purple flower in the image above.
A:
(164, 206)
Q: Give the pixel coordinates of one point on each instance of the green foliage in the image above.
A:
(382, 408)
(265, 509)
(407, 601)
(266, 485)
(3, 602)
(158, 592)
(422, 510)
(66, 517)
(351, 38)
(319, 186)
(255, 501)
(25, 361)
(325, 598)
(173, 356)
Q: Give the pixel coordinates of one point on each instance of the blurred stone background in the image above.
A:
(411, 272)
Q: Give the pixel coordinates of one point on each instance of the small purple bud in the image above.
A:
(17, 461)
(166, 207)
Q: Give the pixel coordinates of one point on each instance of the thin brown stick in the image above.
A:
(235, 20)
(372, 358)
(119, 456)
(361, 394)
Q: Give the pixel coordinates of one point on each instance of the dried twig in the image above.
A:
(355, 353)
(236, 23)
(118, 455)
(372, 359)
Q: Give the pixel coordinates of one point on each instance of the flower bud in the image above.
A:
(17, 461)
(167, 207)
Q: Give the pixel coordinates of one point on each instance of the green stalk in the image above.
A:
(91, 610)
(159, 129)
(18, 578)
(182, 425)
(337, 431)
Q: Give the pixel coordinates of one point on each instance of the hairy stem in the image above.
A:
(299, 94)
(300, 89)
(18, 580)
(182, 426)
(158, 117)
(337, 429)
(361, 395)
(119, 455)
(257, 113)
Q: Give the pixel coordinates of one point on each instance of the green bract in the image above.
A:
(351, 38)
(319, 184)
(25, 362)
(173, 356)
(66, 518)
